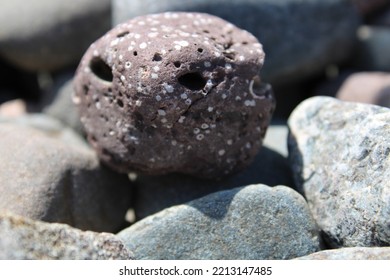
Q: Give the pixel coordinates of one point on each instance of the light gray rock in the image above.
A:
(48, 35)
(276, 138)
(254, 222)
(154, 193)
(23, 238)
(356, 253)
(49, 173)
(285, 28)
(339, 153)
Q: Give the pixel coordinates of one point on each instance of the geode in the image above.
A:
(175, 92)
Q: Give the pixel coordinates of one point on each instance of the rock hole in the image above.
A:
(206, 31)
(177, 64)
(230, 55)
(245, 43)
(192, 81)
(157, 57)
(85, 89)
(101, 69)
(123, 34)
(120, 103)
(135, 53)
(200, 50)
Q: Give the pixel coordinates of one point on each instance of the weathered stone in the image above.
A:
(23, 238)
(356, 253)
(49, 173)
(286, 28)
(49, 35)
(340, 155)
(367, 87)
(175, 92)
(154, 193)
(254, 222)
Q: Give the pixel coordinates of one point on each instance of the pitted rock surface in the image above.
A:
(175, 92)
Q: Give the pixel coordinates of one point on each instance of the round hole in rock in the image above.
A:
(157, 57)
(123, 34)
(120, 103)
(135, 53)
(192, 81)
(200, 50)
(177, 64)
(101, 69)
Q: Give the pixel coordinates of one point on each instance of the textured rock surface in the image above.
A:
(357, 253)
(23, 238)
(255, 222)
(324, 25)
(340, 156)
(366, 7)
(367, 87)
(175, 92)
(48, 173)
(154, 193)
(48, 35)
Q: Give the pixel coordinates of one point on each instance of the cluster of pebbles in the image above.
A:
(159, 144)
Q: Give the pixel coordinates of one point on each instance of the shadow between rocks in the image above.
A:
(155, 193)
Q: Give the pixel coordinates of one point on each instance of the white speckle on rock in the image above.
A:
(199, 137)
(95, 53)
(138, 103)
(241, 58)
(188, 101)
(174, 142)
(156, 68)
(127, 64)
(164, 120)
(114, 42)
(221, 152)
(196, 130)
(137, 36)
(207, 64)
(228, 66)
(181, 119)
(168, 88)
(238, 98)
(143, 45)
(229, 142)
(154, 76)
(161, 112)
(183, 96)
(182, 43)
(224, 96)
(123, 78)
(153, 34)
(210, 109)
(158, 98)
(250, 103)
(248, 145)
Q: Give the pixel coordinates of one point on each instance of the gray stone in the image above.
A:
(285, 28)
(356, 253)
(23, 238)
(154, 193)
(276, 138)
(372, 54)
(254, 222)
(49, 35)
(59, 104)
(49, 173)
(340, 158)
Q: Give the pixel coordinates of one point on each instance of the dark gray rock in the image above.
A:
(175, 92)
(23, 238)
(286, 28)
(154, 193)
(254, 222)
(58, 103)
(356, 253)
(49, 173)
(340, 156)
(49, 35)
(372, 54)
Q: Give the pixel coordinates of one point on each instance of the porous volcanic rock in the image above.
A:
(175, 92)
